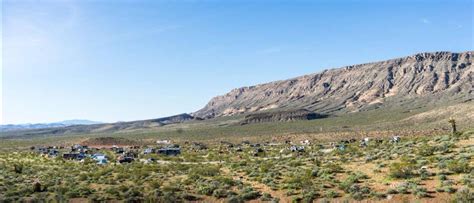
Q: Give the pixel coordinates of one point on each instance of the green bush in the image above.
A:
(236, 199)
(206, 188)
(352, 179)
(220, 193)
(402, 170)
(309, 196)
(420, 192)
(459, 166)
(204, 170)
(403, 189)
(449, 189)
(464, 195)
(331, 194)
(266, 197)
(426, 150)
(250, 194)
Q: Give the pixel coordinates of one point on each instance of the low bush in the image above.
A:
(426, 150)
(402, 170)
(331, 194)
(250, 194)
(463, 195)
(459, 166)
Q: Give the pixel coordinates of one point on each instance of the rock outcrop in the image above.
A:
(279, 116)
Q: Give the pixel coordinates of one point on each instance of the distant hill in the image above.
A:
(61, 128)
(12, 127)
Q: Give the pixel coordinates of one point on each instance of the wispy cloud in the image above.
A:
(34, 26)
(425, 21)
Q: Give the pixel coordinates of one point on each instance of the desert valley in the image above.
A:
(400, 130)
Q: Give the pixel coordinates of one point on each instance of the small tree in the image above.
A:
(37, 186)
(18, 168)
(453, 125)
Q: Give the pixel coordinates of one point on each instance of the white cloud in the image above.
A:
(425, 21)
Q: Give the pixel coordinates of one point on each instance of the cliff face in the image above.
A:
(278, 116)
(430, 76)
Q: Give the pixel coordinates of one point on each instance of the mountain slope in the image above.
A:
(427, 77)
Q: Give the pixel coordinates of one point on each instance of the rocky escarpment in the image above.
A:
(431, 76)
(278, 116)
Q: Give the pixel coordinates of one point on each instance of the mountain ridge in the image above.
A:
(354, 87)
(65, 123)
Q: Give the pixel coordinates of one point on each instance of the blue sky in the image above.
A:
(128, 60)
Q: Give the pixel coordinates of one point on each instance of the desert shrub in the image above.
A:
(403, 188)
(324, 201)
(291, 192)
(442, 164)
(189, 197)
(402, 170)
(203, 171)
(266, 197)
(358, 192)
(448, 183)
(170, 197)
(439, 189)
(113, 191)
(309, 196)
(265, 167)
(155, 184)
(250, 194)
(378, 195)
(352, 179)
(207, 188)
(442, 177)
(134, 195)
(219, 193)
(333, 168)
(392, 191)
(18, 168)
(226, 181)
(449, 189)
(445, 147)
(295, 163)
(426, 150)
(314, 172)
(296, 199)
(424, 174)
(348, 182)
(79, 192)
(331, 194)
(297, 181)
(235, 199)
(420, 191)
(464, 195)
(467, 180)
(459, 166)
